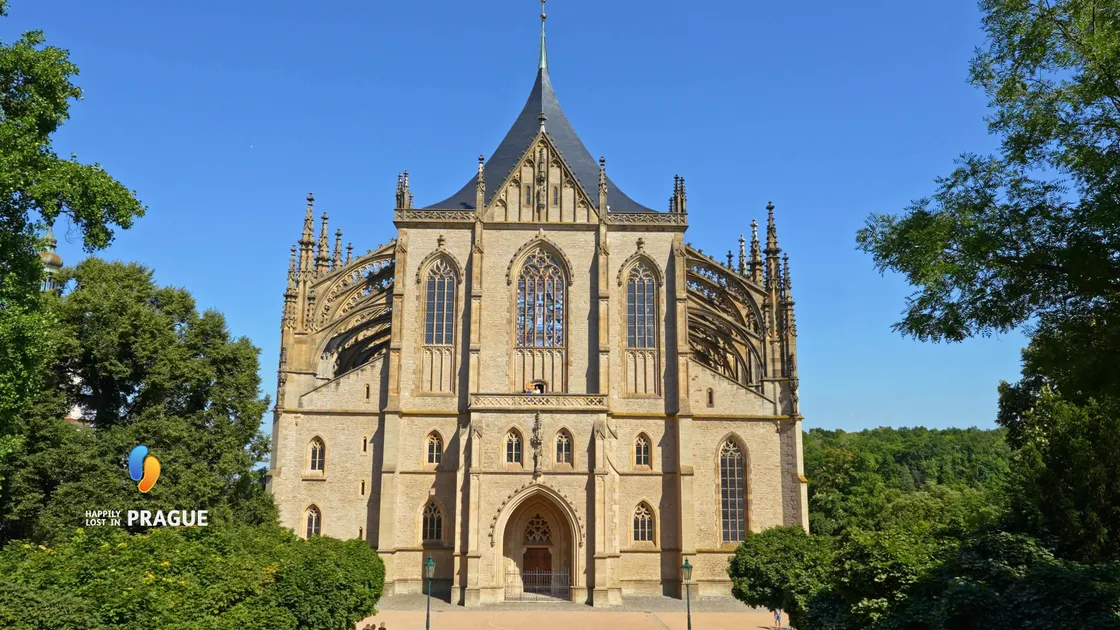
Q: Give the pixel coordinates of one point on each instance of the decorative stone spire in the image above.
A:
(292, 277)
(480, 186)
(787, 290)
(323, 250)
(787, 302)
(742, 269)
(307, 240)
(730, 259)
(603, 184)
(542, 62)
(349, 252)
(336, 262)
(756, 255)
(773, 263)
(679, 202)
(404, 195)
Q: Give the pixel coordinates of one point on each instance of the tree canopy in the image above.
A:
(37, 187)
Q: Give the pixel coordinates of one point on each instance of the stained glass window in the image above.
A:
(540, 302)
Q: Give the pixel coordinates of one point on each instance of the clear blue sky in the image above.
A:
(223, 115)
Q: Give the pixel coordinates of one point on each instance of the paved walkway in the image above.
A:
(645, 613)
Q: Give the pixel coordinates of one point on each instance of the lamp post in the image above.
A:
(430, 570)
(686, 575)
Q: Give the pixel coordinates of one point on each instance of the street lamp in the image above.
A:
(430, 570)
(686, 575)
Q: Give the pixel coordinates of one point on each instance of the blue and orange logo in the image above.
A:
(143, 468)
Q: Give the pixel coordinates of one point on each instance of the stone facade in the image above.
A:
(537, 381)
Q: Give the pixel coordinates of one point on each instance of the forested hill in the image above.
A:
(869, 478)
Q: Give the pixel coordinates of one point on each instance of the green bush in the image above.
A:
(243, 578)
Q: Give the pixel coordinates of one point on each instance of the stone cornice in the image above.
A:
(539, 402)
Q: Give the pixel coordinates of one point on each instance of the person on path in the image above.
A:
(778, 618)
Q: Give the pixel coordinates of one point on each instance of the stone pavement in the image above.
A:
(646, 613)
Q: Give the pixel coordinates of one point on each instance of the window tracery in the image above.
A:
(435, 448)
(731, 492)
(439, 325)
(432, 525)
(317, 457)
(541, 293)
(564, 448)
(314, 521)
(537, 531)
(513, 448)
(641, 308)
(641, 451)
(643, 524)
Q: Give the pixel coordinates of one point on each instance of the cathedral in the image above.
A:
(539, 385)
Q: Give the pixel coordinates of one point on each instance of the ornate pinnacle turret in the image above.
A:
(349, 252)
(307, 240)
(404, 195)
(773, 264)
(742, 256)
(680, 199)
(52, 262)
(603, 184)
(730, 259)
(480, 186)
(755, 265)
(336, 261)
(787, 290)
(292, 272)
(323, 250)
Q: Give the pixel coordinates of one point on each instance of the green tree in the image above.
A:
(146, 368)
(781, 568)
(36, 187)
(1031, 237)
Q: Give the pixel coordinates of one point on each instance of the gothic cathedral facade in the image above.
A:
(539, 382)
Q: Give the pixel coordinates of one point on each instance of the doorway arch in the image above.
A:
(539, 532)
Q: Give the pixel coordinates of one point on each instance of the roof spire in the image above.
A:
(543, 61)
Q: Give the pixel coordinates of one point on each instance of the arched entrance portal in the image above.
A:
(539, 557)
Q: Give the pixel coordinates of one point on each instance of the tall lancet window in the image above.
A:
(439, 329)
(641, 308)
(540, 302)
(731, 492)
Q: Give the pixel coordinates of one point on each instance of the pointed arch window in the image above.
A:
(435, 448)
(439, 325)
(317, 456)
(564, 448)
(641, 308)
(432, 523)
(314, 519)
(643, 524)
(731, 486)
(513, 448)
(541, 300)
(641, 451)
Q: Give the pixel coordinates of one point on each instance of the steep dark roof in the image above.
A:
(508, 154)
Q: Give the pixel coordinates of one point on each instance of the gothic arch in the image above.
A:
(445, 520)
(641, 435)
(514, 500)
(656, 524)
(635, 258)
(564, 430)
(542, 241)
(748, 486)
(438, 254)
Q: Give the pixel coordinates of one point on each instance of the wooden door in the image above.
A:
(537, 559)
